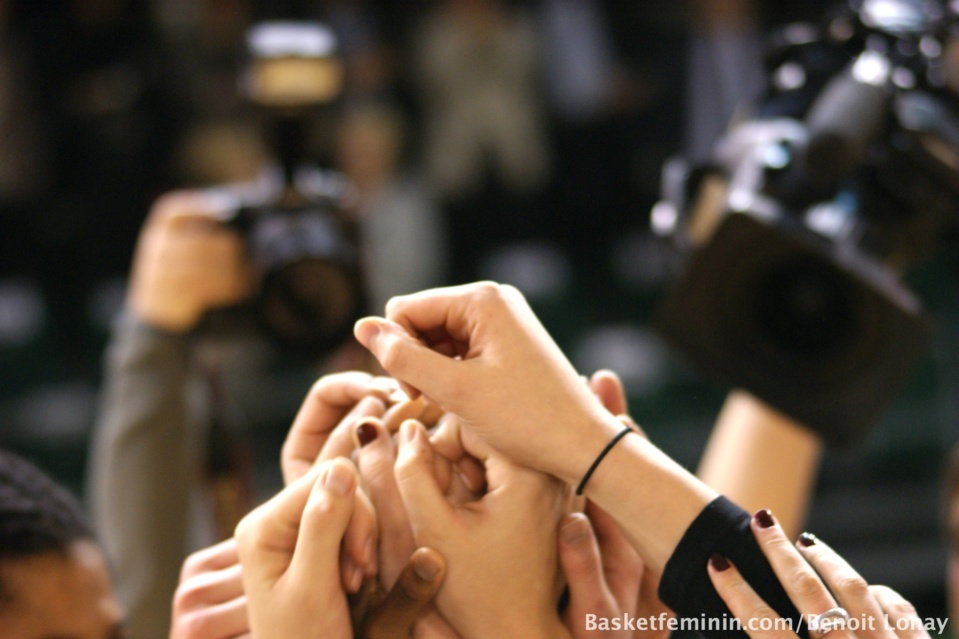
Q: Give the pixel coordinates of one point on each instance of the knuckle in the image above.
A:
(763, 615)
(489, 291)
(854, 587)
(247, 533)
(190, 595)
(902, 608)
(806, 584)
(195, 625)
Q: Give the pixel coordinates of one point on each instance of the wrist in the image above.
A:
(164, 317)
(581, 444)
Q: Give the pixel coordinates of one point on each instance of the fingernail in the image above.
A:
(407, 431)
(425, 568)
(574, 531)
(366, 332)
(365, 433)
(339, 480)
(807, 539)
(764, 518)
(356, 579)
(718, 562)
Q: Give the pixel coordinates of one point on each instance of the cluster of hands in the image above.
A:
(438, 502)
(386, 500)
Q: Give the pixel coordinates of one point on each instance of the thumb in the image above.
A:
(413, 591)
(417, 367)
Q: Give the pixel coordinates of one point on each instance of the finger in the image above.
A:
(622, 566)
(447, 442)
(425, 504)
(804, 587)
(414, 590)
(902, 614)
(400, 412)
(209, 588)
(607, 386)
(328, 401)
(441, 312)
(266, 537)
(758, 619)
(325, 518)
(359, 543)
(431, 414)
(405, 357)
(227, 619)
(216, 557)
(846, 585)
(341, 442)
(582, 567)
(376, 459)
(184, 207)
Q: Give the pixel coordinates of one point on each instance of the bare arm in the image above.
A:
(761, 458)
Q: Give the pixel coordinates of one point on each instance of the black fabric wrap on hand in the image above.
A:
(722, 527)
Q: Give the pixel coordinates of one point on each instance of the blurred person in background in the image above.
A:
(404, 247)
(195, 399)
(486, 155)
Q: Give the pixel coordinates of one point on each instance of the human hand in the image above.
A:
(817, 580)
(602, 571)
(324, 424)
(186, 263)
(290, 549)
(209, 602)
(376, 458)
(485, 338)
(323, 427)
(500, 549)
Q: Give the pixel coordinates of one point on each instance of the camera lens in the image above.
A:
(806, 308)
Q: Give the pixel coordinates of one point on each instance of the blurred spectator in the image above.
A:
(404, 248)
(725, 70)
(486, 152)
(370, 59)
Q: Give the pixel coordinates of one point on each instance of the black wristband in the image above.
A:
(609, 447)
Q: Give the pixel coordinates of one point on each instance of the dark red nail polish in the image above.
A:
(365, 432)
(764, 518)
(807, 539)
(718, 562)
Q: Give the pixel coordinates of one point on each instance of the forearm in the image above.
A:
(760, 458)
(676, 523)
(651, 497)
(141, 468)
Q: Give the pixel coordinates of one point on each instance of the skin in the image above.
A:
(484, 337)
(501, 549)
(61, 596)
(186, 263)
(290, 548)
(817, 579)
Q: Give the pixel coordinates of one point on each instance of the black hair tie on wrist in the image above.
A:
(599, 458)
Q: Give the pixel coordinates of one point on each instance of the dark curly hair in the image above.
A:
(37, 515)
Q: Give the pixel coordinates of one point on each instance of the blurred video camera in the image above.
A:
(845, 174)
(302, 239)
